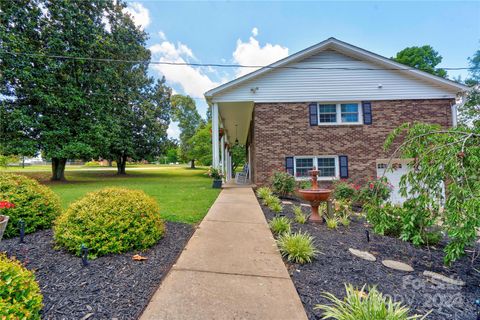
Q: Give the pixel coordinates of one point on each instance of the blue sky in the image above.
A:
(262, 32)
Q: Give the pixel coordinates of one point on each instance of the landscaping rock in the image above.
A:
(287, 202)
(443, 278)
(362, 254)
(397, 265)
(304, 205)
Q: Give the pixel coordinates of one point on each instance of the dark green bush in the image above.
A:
(35, 204)
(111, 220)
(282, 183)
(344, 190)
(20, 296)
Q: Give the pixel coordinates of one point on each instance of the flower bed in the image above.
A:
(335, 265)
(111, 286)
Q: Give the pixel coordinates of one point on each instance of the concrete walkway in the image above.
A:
(230, 269)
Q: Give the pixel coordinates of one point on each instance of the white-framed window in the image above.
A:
(339, 113)
(327, 165)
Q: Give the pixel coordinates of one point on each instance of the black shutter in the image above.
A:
(343, 160)
(289, 165)
(367, 112)
(313, 114)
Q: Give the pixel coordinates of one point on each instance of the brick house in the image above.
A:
(329, 106)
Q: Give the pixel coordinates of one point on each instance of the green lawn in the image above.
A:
(184, 195)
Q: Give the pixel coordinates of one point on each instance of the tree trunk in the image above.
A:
(110, 162)
(121, 163)
(192, 164)
(58, 169)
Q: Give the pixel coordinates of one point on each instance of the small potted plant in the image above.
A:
(4, 205)
(216, 175)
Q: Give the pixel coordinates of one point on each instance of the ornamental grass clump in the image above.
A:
(20, 296)
(300, 217)
(297, 247)
(270, 200)
(280, 225)
(276, 207)
(35, 204)
(264, 192)
(332, 222)
(111, 220)
(363, 305)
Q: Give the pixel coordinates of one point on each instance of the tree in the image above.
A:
(184, 111)
(201, 145)
(469, 112)
(238, 154)
(450, 156)
(52, 104)
(424, 58)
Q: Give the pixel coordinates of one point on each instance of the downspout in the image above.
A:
(454, 108)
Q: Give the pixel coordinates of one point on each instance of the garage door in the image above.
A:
(399, 167)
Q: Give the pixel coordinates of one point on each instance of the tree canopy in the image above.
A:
(424, 58)
(76, 107)
(184, 111)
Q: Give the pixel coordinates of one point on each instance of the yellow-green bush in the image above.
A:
(20, 296)
(111, 220)
(35, 204)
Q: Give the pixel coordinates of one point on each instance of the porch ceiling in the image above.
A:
(236, 114)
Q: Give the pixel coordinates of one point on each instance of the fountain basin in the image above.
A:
(315, 194)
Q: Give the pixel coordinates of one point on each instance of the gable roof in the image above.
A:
(333, 43)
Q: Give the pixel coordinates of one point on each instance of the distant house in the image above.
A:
(329, 106)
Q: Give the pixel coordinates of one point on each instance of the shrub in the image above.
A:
(332, 222)
(360, 305)
(35, 204)
(20, 296)
(111, 220)
(264, 192)
(276, 207)
(297, 247)
(300, 217)
(283, 183)
(280, 225)
(386, 219)
(374, 190)
(344, 190)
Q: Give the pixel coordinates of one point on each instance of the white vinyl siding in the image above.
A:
(334, 83)
(327, 165)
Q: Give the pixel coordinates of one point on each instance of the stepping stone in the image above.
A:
(287, 202)
(397, 265)
(443, 278)
(362, 254)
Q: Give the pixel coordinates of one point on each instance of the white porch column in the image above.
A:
(226, 164)
(229, 165)
(222, 154)
(215, 145)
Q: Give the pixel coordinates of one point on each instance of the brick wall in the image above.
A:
(283, 129)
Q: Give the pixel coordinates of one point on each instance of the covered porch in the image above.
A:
(231, 125)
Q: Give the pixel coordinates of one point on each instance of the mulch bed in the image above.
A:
(336, 266)
(110, 287)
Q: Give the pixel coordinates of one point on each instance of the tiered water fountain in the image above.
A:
(315, 196)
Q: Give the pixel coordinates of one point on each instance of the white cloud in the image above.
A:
(140, 15)
(252, 53)
(193, 80)
(162, 35)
